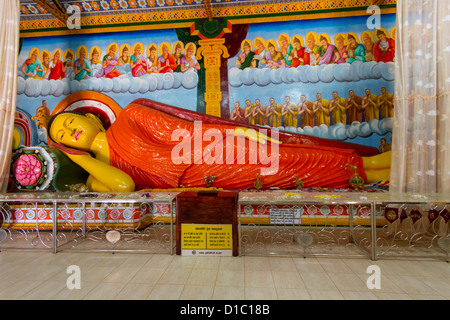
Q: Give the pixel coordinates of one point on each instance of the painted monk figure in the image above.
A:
(386, 104)
(354, 108)
(370, 106)
(273, 113)
(137, 152)
(338, 109)
(249, 112)
(307, 118)
(238, 114)
(321, 110)
(259, 113)
(289, 111)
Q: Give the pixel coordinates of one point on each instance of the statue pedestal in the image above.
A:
(206, 223)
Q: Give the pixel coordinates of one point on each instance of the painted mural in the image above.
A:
(330, 78)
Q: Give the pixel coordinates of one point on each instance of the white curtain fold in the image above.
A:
(9, 49)
(421, 133)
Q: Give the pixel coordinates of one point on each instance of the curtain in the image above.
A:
(9, 47)
(421, 133)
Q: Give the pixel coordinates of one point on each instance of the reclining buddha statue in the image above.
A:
(141, 150)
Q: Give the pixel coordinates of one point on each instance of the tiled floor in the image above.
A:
(42, 275)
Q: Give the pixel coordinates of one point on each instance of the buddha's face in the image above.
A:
(74, 131)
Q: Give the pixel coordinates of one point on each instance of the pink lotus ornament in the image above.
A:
(27, 170)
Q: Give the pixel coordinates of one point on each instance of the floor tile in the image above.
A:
(293, 294)
(358, 295)
(318, 281)
(174, 276)
(202, 277)
(325, 295)
(228, 293)
(105, 291)
(230, 278)
(348, 282)
(166, 292)
(258, 279)
(288, 279)
(260, 294)
(197, 292)
(135, 291)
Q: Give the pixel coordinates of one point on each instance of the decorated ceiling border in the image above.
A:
(127, 17)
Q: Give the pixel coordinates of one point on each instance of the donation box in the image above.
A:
(206, 223)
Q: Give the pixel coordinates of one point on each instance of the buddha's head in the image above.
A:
(74, 129)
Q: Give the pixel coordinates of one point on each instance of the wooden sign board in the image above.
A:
(207, 222)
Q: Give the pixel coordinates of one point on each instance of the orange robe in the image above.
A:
(140, 144)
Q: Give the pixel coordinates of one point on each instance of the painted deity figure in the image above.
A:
(260, 51)
(384, 48)
(368, 46)
(178, 55)
(342, 48)
(370, 106)
(313, 50)
(289, 111)
(274, 59)
(354, 108)
(188, 61)
(152, 59)
(273, 114)
(136, 153)
(46, 65)
(57, 68)
(138, 63)
(355, 51)
(246, 58)
(238, 114)
(166, 61)
(321, 110)
(110, 61)
(285, 49)
(82, 66)
(297, 56)
(95, 57)
(125, 57)
(307, 118)
(328, 52)
(32, 67)
(386, 104)
(338, 109)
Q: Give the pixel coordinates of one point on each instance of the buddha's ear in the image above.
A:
(96, 119)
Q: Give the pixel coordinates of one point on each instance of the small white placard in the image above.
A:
(285, 216)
